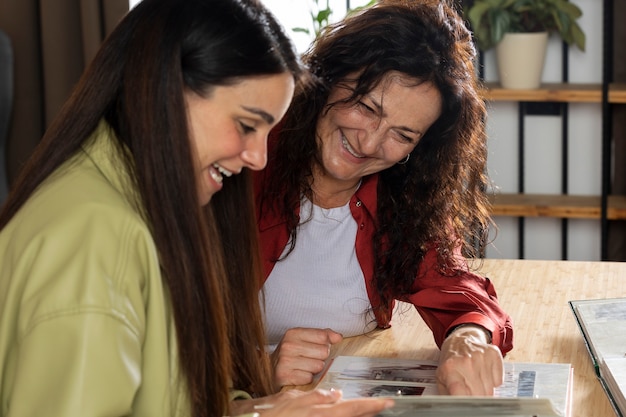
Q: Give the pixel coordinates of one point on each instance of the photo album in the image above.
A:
(603, 326)
(529, 389)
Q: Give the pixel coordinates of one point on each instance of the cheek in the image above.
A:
(201, 132)
(217, 142)
(396, 151)
(349, 117)
(229, 144)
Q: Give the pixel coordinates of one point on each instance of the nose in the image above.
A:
(254, 155)
(371, 138)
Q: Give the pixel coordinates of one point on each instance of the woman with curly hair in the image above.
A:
(375, 192)
(129, 258)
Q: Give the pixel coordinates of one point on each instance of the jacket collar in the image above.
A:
(365, 196)
(106, 156)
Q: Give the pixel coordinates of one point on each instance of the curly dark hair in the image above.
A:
(437, 199)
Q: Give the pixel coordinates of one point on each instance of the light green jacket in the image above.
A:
(86, 327)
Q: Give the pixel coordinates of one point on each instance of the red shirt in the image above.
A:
(444, 302)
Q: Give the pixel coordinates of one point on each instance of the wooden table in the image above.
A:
(535, 294)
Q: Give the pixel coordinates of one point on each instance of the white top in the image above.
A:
(320, 284)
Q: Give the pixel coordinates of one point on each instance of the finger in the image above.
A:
(288, 376)
(320, 403)
(319, 351)
(478, 379)
(488, 370)
(301, 363)
(498, 369)
(460, 376)
(318, 336)
(333, 336)
(269, 401)
(248, 406)
(362, 407)
(303, 405)
(319, 396)
(485, 384)
(455, 387)
(442, 389)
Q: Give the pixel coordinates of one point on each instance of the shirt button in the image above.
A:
(358, 203)
(362, 226)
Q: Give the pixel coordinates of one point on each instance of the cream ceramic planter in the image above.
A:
(520, 58)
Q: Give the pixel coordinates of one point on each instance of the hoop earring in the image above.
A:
(405, 160)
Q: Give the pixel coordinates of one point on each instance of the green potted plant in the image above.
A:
(505, 24)
(320, 15)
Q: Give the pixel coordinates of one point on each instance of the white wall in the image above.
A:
(297, 13)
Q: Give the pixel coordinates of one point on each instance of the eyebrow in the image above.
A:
(264, 115)
(382, 113)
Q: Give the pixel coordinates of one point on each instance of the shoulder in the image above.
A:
(81, 211)
(76, 246)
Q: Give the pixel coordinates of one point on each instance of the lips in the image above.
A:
(349, 148)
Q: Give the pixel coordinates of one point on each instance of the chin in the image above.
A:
(205, 199)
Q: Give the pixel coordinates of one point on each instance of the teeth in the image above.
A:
(222, 170)
(218, 173)
(349, 148)
(216, 176)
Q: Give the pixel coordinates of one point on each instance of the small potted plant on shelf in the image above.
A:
(519, 30)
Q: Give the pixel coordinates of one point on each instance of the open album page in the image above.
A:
(531, 389)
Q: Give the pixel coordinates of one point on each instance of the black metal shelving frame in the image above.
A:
(562, 109)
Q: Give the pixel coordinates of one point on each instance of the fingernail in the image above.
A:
(334, 392)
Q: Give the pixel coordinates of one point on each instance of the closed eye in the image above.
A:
(246, 129)
(408, 139)
(369, 109)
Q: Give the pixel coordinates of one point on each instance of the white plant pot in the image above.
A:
(520, 58)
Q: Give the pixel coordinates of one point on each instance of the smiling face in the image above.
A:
(229, 127)
(378, 131)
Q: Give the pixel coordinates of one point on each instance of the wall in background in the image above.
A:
(296, 13)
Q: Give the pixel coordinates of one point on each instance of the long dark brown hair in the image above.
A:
(136, 83)
(438, 198)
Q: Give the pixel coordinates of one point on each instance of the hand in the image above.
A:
(238, 407)
(301, 354)
(321, 403)
(469, 364)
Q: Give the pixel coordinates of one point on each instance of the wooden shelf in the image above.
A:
(559, 206)
(617, 93)
(551, 99)
(557, 92)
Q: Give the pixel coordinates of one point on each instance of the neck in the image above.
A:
(330, 194)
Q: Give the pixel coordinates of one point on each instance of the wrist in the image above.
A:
(472, 329)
